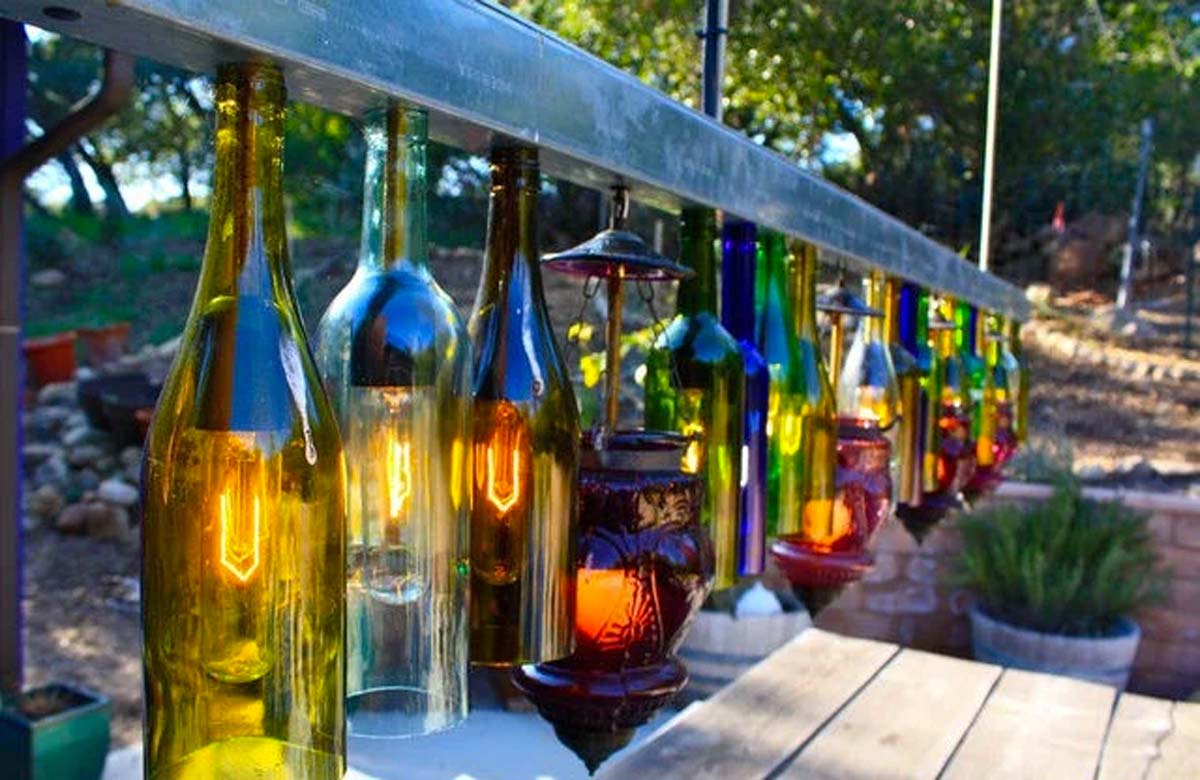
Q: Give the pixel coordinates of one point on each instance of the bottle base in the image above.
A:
(399, 712)
(261, 758)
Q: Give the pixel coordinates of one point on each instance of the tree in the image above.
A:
(908, 80)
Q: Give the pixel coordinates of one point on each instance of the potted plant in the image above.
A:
(51, 358)
(1055, 584)
(104, 343)
(55, 732)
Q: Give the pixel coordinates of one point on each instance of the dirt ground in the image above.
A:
(81, 594)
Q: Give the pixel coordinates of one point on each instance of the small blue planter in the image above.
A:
(68, 742)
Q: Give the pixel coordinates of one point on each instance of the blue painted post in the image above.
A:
(12, 138)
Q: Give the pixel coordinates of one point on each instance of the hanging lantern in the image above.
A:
(997, 442)
(737, 315)
(949, 458)
(822, 547)
(525, 446)
(243, 555)
(868, 401)
(395, 358)
(644, 559)
(695, 385)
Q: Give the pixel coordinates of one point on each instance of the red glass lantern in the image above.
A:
(833, 550)
(643, 568)
(645, 561)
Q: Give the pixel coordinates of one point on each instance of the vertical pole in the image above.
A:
(989, 144)
(612, 363)
(716, 27)
(1190, 274)
(12, 137)
(1135, 215)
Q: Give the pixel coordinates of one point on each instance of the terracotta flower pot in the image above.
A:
(51, 359)
(105, 343)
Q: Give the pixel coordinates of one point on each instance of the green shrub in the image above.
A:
(1065, 566)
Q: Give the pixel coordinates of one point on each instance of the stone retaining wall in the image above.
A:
(903, 600)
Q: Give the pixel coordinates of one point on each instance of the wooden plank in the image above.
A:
(904, 725)
(1138, 727)
(753, 725)
(1153, 739)
(1035, 725)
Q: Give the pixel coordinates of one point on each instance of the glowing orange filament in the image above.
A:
(240, 552)
(398, 464)
(503, 490)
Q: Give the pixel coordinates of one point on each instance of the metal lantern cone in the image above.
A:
(644, 561)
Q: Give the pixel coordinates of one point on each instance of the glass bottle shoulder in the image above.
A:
(390, 314)
(700, 338)
(244, 366)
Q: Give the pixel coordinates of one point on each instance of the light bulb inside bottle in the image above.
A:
(386, 477)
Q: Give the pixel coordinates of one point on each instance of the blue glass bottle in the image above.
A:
(738, 293)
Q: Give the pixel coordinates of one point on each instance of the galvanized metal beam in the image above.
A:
(484, 72)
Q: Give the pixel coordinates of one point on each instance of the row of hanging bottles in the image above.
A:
(331, 540)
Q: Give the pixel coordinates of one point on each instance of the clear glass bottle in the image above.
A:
(738, 263)
(243, 562)
(396, 361)
(526, 441)
(695, 385)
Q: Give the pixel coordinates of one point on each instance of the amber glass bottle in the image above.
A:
(695, 385)
(908, 374)
(243, 564)
(526, 441)
(394, 354)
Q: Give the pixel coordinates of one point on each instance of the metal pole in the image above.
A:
(989, 144)
(716, 27)
(1192, 258)
(19, 160)
(1135, 215)
(12, 136)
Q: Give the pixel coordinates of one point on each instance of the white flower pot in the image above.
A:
(1105, 660)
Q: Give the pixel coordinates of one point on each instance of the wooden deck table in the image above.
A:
(828, 707)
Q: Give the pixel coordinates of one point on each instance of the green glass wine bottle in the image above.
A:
(396, 361)
(695, 385)
(526, 441)
(243, 534)
(801, 414)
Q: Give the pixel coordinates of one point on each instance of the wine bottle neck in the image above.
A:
(803, 294)
(738, 259)
(697, 239)
(394, 203)
(511, 257)
(246, 252)
(877, 328)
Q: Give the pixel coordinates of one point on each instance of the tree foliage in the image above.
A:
(908, 81)
(905, 81)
